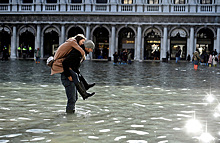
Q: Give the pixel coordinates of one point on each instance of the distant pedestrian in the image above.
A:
(178, 53)
(167, 56)
(210, 60)
(115, 55)
(129, 57)
(5, 53)
(188, 58)
(196, 59)
(215, 60)
(37, 55)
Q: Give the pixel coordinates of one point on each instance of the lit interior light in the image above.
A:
(193, 126)
(206, 138)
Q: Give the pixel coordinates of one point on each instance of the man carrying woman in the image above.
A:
(67, 61)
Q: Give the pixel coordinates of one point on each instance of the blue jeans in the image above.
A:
(177, 59)
(70, 89)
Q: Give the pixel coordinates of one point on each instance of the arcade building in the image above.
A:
(148, 28)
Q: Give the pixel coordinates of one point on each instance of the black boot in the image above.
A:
(82, 91)
(86, 85)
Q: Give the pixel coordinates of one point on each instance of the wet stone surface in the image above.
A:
(150, 102)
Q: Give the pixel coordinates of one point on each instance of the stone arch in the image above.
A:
(100, 36)
(210, 28)
(74, 26)
(182, 30)
(106, 27)
(29, 28)
(50, 28)
(152, 27)
(7, 29)
(121, 27)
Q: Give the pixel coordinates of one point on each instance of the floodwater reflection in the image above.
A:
(146, 102)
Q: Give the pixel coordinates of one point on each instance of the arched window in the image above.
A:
(153, 1)
(179, 1)
(101, 1)
(76, 1)
(4, 1)
(127, 1)
(205, 1)
(51, 1)
(27, 1)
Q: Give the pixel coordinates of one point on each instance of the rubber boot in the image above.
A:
(82, 91)
(85, 83)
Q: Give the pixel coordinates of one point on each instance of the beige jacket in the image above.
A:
(62, 51)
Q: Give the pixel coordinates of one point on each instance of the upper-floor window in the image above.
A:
(153, 1)
(127, 1)
(51, 1)
(76, 1)
(179, 1)
(101, 1)
(27, 1)
(4, 1)
(205, 1)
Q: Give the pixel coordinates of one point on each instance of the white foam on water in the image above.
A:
(137, 132)
(120, 137)
(104, 130)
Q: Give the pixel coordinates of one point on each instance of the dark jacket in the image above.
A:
(72, 61)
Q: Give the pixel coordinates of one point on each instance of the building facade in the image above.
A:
(148, 28)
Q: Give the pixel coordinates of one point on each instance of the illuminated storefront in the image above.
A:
(178, 40)
(152, 44)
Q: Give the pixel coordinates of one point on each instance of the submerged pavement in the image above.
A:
(149, 102)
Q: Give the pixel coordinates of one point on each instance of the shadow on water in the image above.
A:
(141, 102)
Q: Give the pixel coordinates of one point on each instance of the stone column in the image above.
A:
(139, 47)
(165, 4)
(88, 6)
(62, 5)
(88, 32)
(112, 48)
(218, 40)
(89, 56)
(164, 46)
(218, 6)
(14, 43)
(62, 36)
(113, 5)
(14, 5)
(37, 37)
(192, 5)
(139, 6)
(191, 48)
(38, 5)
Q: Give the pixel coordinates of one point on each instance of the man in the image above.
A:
(67, 62)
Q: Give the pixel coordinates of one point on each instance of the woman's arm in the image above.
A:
(77, 47)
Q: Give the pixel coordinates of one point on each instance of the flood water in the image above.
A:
(149, 102)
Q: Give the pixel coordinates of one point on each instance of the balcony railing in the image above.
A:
(179, 8)
(152, 8)
(75, 7)
(4, 7)
(126, 8)
(100, 7)
(51, 7)
(26, 7)
(206, 8)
